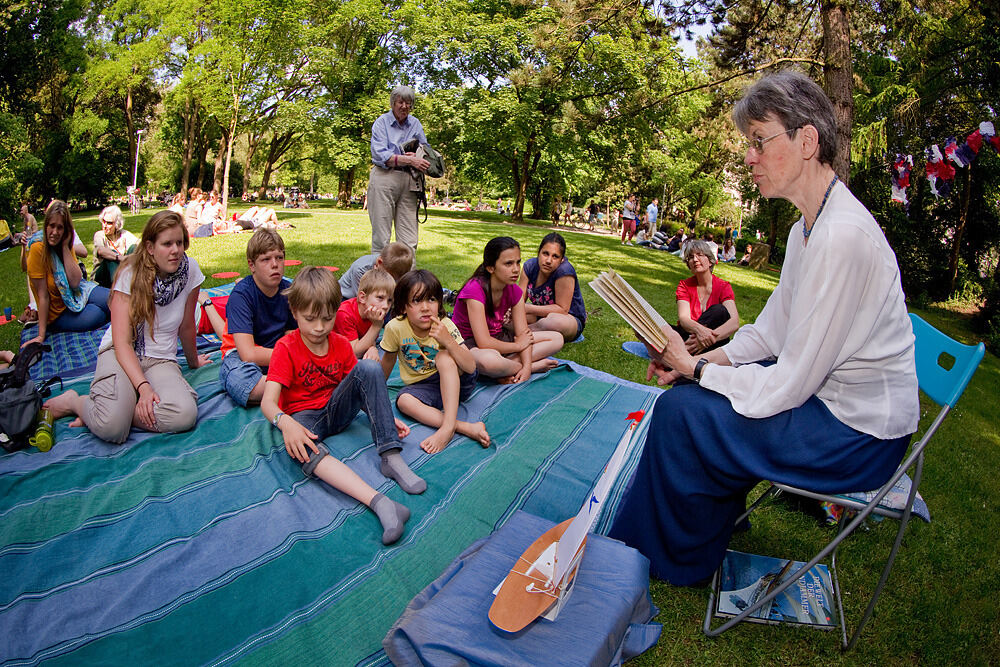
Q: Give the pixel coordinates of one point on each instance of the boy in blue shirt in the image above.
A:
(257, 316)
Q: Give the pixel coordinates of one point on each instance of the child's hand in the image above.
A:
(372, 353)
(402, 430)
(440, 332)
(524, 340)
(523, 375)
(375, 314)
(297, 439)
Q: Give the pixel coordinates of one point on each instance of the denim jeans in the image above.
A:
(363, 389)
(93, 316)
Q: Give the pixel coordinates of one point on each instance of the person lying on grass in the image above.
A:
(315, 387)
(437, 368)
(489, 313)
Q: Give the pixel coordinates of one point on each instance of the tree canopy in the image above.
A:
(534, 101)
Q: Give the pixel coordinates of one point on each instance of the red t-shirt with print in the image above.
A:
(308, 380)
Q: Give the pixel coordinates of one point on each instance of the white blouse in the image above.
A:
(837, 326)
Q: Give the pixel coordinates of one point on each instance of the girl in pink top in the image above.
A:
(489, 313)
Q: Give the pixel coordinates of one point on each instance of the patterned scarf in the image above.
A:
(165, 290)
(74, 299)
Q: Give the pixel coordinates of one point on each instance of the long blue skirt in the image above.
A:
(701, 459)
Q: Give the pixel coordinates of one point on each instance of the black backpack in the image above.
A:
(20, 398)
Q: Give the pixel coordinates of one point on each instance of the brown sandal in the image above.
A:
(29, 315)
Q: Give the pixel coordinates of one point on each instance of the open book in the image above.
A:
(632, 307)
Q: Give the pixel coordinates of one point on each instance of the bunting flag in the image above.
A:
(939, 173)
(940, 165)
(901, 169)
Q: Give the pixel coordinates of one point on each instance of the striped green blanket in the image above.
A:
(210, 547)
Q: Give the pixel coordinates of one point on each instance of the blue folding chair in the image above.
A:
(944, 369)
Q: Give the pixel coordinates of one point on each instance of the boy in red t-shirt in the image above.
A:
(315, 387)
(360, 319)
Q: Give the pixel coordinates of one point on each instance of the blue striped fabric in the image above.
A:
(209, 547)
(74, 353)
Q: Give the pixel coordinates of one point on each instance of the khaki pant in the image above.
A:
(391, 199)
(109, 409)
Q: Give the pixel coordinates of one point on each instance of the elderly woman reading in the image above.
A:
(835, 409)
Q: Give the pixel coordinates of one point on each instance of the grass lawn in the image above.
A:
(940, 606)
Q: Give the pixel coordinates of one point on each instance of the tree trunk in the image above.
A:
(220, 161)
(252, 143)
(278, 146)
(522, 172)
(838, 75)
(345, 187)
(202, 160)
(190, 121)
(956, 242)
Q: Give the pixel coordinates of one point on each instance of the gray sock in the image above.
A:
(392, 515)
(394, 467)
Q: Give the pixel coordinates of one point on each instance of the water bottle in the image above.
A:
(44, 437)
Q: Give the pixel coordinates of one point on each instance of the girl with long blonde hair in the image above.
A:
(137, 381)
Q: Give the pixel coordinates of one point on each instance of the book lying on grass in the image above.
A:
(745, 578)
(632, 308)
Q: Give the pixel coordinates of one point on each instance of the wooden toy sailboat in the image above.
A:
(542, 578)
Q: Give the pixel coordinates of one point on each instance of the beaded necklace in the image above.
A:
(829, 188)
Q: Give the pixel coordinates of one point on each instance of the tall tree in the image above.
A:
(537, 71)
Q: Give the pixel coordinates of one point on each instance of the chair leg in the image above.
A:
(903, 521)
(771, 491)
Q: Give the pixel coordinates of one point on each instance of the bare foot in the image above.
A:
(544, 365)
(77, 423)
(62, 405)
(477, 432)
(436, 442)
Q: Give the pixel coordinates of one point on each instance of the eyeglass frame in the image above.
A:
(757, 145)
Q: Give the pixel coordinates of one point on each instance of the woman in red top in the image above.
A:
(706, 305)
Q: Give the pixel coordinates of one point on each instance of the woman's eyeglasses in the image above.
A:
(757, 144)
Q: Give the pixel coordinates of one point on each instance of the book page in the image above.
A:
(632, 308)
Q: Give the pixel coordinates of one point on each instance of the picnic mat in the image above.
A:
(74, 353)
(210, 547)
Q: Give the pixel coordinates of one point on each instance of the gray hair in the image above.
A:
(115, 214)
(404, 92)
(795, 101)
(701, 247)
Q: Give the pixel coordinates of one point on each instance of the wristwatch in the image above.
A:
(206, 303)
(274, 422)
(698, 368)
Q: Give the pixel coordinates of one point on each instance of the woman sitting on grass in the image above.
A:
(111, 243)
(706, 305)
(66, 302)
(137, 381)
(489, 313)
(552, 291)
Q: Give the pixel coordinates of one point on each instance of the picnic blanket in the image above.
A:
(211, 547)
(74, 353)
